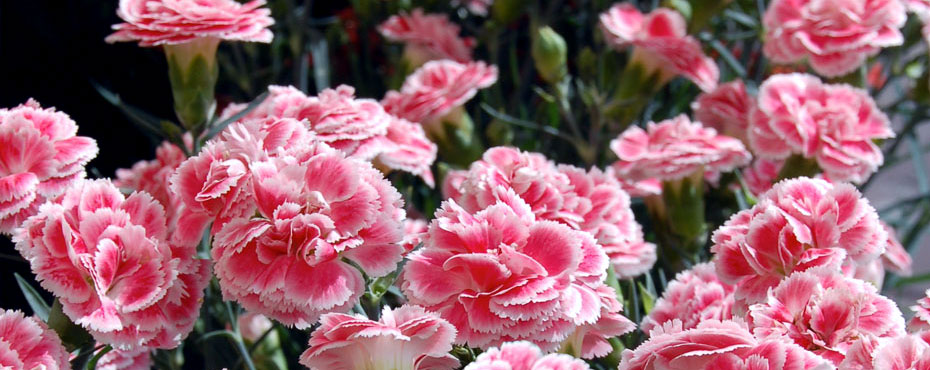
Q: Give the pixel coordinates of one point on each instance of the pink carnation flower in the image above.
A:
(834, 124)
(825, 312)
(428, 36)
(479, 7)
(896, 259)
(500, 275)
(761, 174)
(405, 147)
(170, 22)
(108, 260)
(314, 208)
(414, 231)
(716, 345)
(674, 149)
(524, 356)
(437, 88)
(921, 319)
(726, 109)
(696, 295)
(117, 359)
(408, 337)
(590, 201)
(40, 157)
(154, 177)
(835, 37)
(26, 343)
(661, 41)
(253, 325)
(591, 340)
(909, 352)
(799, 224)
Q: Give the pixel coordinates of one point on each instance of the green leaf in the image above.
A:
(648, 298)
(728, 58)
(220, 126)
(92, 364)
(741, 18)
(145, 121)
(35, 300)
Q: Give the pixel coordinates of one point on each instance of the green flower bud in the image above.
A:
(193, 72)
(550, 54)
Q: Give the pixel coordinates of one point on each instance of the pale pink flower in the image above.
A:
(825, 312)
(696, 295)
(896, 259)
(479, 7)
(524, 356)
(315, 208)
(835, 37)
(26, 343)
(408, 337)
(428, 36)
(714, 345)
(921, 319)
(40, 157)
(674, 149)
(170, 22)
(636, 188)
(117, 359)
(591, 340)
(436, 88)
(154, 177)
(405, 147)
(253, 325)
(414, 231)
(108, 259)
(799, 224)
(902, 353)
(836, 125)
(761, 174)
(661, 42)
(726, 109)
(501, 275)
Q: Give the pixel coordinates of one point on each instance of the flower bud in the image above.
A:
(549, 54)
(193, 72)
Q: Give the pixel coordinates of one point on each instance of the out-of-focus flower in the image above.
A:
(524, 356)
(408, 337)
(427, 37)
(117, 359)
(40, 157)
(501, 275)
(661, 43)
(910, 352)
(761, 174)
(26, 343)
(479, 7)
(836, 125)
(696, 295)
(414, 231)
(253, 325)
(835, 37)
(674, 149)
(921, 319)
(726, 109)
(896, 259)
(825, 312)
(171, 22)
(314, 208)
(717, 345)
(799, 224)
(549, 54)
(109, 261)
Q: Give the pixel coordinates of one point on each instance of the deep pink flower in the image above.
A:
(501, 275)
(590, 201)
(825, 312)
(479, 7)
(40, 157)
(674, 149)
(909, 352)
(661, 41)
(833, 124)
(835, 37)
(799, 224)
(26, 343)
(117, 359)
(715, 345)
(524, 356)
(314, 208)
(170, 22)
(109, 261)
(428, 36)
(437, 88)
(921, 319)
(696, 295)
(408, 337)
(726, 109)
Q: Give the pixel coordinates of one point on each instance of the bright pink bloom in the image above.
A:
(590, 201)
(414, 231)
(314, 208)
(591, 340)
(154, 177)
(405, 147)
(501, 275)
(921, 319)
(696, 295)
(825, 312)
(726, 109)
(40, 157)
(715, 345)
(117, 359)
(661, 41)
(524, 356)
(26, 343)
(406, 338)
(479, 7)
(170, 22)
(799, 224)
(108, 260)
(902, 353)
(835, 37)
(674, 149)
(428, 36)
(436, 88)
(833, 124)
